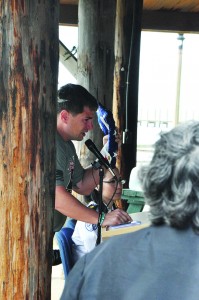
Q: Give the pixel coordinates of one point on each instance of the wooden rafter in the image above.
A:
(167, 15)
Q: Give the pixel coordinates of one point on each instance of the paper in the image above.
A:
(133, 223)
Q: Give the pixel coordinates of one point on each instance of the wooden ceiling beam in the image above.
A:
(157, 20)
(170, 21)
(68, 15)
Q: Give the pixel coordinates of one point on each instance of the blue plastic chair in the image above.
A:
(65, 245)
(70, 223)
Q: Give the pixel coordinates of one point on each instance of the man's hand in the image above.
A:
(116, 217)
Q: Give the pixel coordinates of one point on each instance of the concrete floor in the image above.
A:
(57, 281)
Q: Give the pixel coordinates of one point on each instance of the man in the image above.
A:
(162, 261)
(76, 110)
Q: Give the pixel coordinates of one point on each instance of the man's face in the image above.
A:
(79, 125)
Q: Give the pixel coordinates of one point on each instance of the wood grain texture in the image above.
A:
(28, 87)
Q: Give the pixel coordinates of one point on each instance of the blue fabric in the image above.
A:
(156, 263)
(65, 246)
(70, 223)
(107, 125)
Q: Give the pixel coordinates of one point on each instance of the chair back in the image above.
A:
(64, 241)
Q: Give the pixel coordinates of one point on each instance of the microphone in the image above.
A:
(91, 146)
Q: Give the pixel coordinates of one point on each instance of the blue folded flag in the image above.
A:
(107, 125)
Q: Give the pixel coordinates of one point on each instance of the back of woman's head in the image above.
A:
(171, 181)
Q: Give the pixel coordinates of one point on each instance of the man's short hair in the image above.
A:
(73, 98)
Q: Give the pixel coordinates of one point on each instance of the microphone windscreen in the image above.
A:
(88, 143)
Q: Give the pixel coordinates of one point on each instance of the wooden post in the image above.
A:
(119, 72)
(105, 29)
(28, 84)
(127, 36)
(96, 58)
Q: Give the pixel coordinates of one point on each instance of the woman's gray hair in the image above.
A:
(171, 181)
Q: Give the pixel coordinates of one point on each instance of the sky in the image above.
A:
(159, 62)
(68, 35)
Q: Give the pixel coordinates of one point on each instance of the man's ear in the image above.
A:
(64, 114)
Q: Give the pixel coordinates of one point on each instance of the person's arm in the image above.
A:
(69, 206)
(89, 181)
(116, 217)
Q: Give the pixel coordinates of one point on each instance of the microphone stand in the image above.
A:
(101, 176)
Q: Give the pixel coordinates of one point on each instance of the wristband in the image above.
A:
(101, 218)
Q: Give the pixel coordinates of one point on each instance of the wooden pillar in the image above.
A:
(28, 85)
(96, 58)
(119, 72)
(126, 74)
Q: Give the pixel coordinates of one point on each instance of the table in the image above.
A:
(140, 216)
